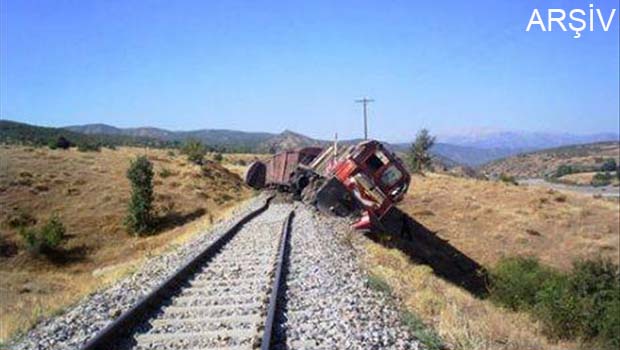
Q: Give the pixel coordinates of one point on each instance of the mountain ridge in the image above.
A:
(473, 150)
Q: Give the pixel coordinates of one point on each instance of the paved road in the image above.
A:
(605, 191)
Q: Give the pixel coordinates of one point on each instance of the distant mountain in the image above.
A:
(289, 140)
(471, 148)
(95, 129)
(461, 155)
(521, 141)
(228, 138)
(14, 132)
(214, 137)
(471, 156)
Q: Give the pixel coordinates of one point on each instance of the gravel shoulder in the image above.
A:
(327, 301)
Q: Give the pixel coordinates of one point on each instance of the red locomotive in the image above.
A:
(365, 179)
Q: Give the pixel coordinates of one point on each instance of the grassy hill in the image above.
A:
(587, 157)
(89, 191)
(486, 221)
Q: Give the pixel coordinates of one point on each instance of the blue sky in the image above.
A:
(270, 66)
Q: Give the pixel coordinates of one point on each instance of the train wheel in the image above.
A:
(255, 175)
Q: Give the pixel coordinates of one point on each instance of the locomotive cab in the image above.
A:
(374, 176)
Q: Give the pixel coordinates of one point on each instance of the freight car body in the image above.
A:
(279, 170)
(364, 179)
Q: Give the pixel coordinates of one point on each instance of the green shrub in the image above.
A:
(609, 165)
(378, 284)
(218, 157)
(165, 172)
(425, 334)
(557, 308)
(48, 238)
(61, 142)
(509, 179)
(581, 304)
(53, 233)
(89, 147)
(195, 151)
(596, 283)
(515, 282)
(601, 179)
(20, 219)
(609, 325)
(564, 170)
(139, 218)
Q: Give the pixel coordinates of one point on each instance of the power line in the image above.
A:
(365, 101)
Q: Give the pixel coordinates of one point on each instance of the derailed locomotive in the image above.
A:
(365, 179)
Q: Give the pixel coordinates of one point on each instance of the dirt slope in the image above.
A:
(89, 191)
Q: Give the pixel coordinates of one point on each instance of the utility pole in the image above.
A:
(365, 101)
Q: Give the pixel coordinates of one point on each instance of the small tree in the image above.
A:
(139, 216)
(195, 151)
(419, 158)
(60, 142)
(609, 165)
(601, 179)
(47, 238)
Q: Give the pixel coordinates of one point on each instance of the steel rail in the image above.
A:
(128, 320)
(277, 280)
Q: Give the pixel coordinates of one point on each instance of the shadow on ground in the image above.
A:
(66, 256)
(424, 246)
(174, 219)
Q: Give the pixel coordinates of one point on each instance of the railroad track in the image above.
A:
(224, 298)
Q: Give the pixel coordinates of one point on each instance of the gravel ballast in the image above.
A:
(327, 303)
(224, 303)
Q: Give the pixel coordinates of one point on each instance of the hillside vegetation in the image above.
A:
(486, 222)
(89, 193)
(25, 134)
(228, 140)
(583, 158)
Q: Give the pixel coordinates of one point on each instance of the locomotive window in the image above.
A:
(374, 163)
(390, 176)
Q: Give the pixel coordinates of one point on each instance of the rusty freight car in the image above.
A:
(278, 172)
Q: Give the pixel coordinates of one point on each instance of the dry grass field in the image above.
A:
(238, 162)
(89, 191)
(486, 221)
(578, 179)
